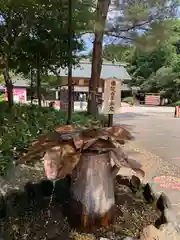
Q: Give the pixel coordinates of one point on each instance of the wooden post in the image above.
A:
(110, 120)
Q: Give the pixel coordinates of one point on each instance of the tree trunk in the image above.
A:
(93, 191)
(32, 87)
(38, 83)
(9, 86)
(101, 15)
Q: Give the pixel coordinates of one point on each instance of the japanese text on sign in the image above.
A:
(112, 96)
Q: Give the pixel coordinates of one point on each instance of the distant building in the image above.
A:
(19, 91)
(81, 75)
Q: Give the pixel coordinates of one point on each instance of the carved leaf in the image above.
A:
(50, 137)
(64, 146)
(120, 159)
(119, 133)
(35, 153)
(65, 129)
(69, 163)
(58, 163)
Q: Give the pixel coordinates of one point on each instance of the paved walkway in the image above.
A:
(157, 146)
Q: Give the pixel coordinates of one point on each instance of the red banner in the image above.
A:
(152, 100)
(177, 112)
(19, 95)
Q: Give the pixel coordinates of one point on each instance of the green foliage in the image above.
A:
(128, 100)
(144, 64)
(118, 53)
(35, 37)
(35, 33)
(20, 126)
(50, 34)
(177, 103)
(51, 81)
(145, 23)
(157, 69)
(157, 72)
(1, 80)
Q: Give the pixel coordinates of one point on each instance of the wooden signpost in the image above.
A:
(112, 98)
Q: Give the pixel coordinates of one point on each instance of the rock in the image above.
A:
(36, 190)
(30, 190)
(170, 217)
(148, 193)
(46, 188)
(2, 206)
(166, 232)
(161, 220)
(151, 233)
(102, 238)
(163, 202)
(123, 180)
(15, 202)
(62, 190)
(170, 233)
(135, 183)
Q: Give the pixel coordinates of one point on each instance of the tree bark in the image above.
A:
(38, 82)
(101, 16)
(9, 85)
(32, 86)
(92, 190)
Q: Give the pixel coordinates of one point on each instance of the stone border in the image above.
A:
(168, 218)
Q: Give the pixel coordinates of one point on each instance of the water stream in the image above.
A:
(50, 206)
(51, 198)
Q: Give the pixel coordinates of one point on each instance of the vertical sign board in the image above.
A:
(112, 96)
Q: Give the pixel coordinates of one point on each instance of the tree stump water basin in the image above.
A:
(93, 186)
(30, 216)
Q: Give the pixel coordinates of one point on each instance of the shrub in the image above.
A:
(177, 103)
(23, 123)
(128, 100)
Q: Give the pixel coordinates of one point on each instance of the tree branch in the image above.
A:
(57, 73)
(132, 27)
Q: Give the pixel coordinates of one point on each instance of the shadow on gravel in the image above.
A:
(28, 214)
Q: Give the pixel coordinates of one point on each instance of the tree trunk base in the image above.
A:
(92, 189)
(81, 221)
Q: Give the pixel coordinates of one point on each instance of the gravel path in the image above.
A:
(157, 135)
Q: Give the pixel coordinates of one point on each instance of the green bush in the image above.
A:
(177, 103)
(23, 124)
(128, 100)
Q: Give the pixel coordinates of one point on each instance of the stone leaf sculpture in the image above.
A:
(92, 157)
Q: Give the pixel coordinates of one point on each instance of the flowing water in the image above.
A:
(51, 198)
(50, 206)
